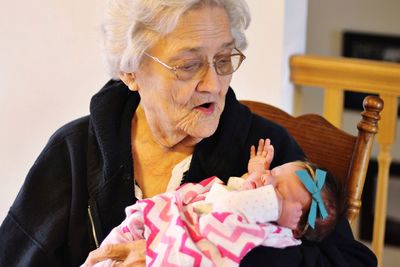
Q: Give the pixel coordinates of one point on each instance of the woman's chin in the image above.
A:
(199, 125)
(203, 130)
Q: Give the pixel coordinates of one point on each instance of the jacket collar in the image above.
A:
(111, 111)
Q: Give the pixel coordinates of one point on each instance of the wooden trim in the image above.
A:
(359, 75)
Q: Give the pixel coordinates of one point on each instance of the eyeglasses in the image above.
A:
(195, 69)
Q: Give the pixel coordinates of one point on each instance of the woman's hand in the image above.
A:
(290, 212)
(126, 254)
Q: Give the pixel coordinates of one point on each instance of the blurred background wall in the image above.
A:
(51, 65)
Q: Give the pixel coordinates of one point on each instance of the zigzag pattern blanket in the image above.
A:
(177, 235)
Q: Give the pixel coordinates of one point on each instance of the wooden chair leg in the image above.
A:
(386, 137)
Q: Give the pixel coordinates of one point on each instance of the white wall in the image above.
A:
(278, 30)
(50, 67)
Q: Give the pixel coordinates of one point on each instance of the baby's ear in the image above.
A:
(129, 80)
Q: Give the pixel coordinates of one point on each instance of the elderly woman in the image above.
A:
(168, 112)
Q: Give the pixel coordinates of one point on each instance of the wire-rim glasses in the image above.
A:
(196, 68)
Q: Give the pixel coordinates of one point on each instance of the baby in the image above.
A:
(197, 224)
(298, 186)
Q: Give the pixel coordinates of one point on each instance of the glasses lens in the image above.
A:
(190, 70)
(229, 64)
(195, 69)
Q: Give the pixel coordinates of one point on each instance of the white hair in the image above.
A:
(130, 27)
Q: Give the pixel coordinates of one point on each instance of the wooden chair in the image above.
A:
(344, 155)
(334, 76)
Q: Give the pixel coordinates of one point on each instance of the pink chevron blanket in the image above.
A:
(177, 235)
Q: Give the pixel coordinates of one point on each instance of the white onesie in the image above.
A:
(259, 205)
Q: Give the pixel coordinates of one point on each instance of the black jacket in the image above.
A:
(77, 189)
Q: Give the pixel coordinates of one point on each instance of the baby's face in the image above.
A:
(287, 183)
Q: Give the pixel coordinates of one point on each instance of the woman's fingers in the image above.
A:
(135, 259)
(120, 252)
(112, 251)
(137, 256)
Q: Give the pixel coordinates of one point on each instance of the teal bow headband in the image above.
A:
(315, 189)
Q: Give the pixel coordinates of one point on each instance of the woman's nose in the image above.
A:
(210, 82)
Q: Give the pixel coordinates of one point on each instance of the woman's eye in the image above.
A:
(224, 60)
(191, 66)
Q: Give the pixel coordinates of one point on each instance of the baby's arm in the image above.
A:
(289, 212)
(259, 205)
(260, 159)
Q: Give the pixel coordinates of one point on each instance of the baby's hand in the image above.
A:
(257, 179)
(290, 213)
(261, 159)
(254, 180)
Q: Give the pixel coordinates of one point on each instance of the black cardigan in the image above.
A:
(83, 180)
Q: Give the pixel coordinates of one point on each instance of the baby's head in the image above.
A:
(332, 197)
(289, 186)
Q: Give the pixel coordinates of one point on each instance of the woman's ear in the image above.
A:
(129, 80)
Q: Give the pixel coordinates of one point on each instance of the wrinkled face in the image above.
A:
(178, 109)
(289, 185)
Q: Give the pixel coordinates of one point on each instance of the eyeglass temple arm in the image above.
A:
(159, 61)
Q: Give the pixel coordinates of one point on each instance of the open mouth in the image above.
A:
(207, 108)
(206, 105)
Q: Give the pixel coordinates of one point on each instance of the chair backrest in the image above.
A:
(344, 155)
